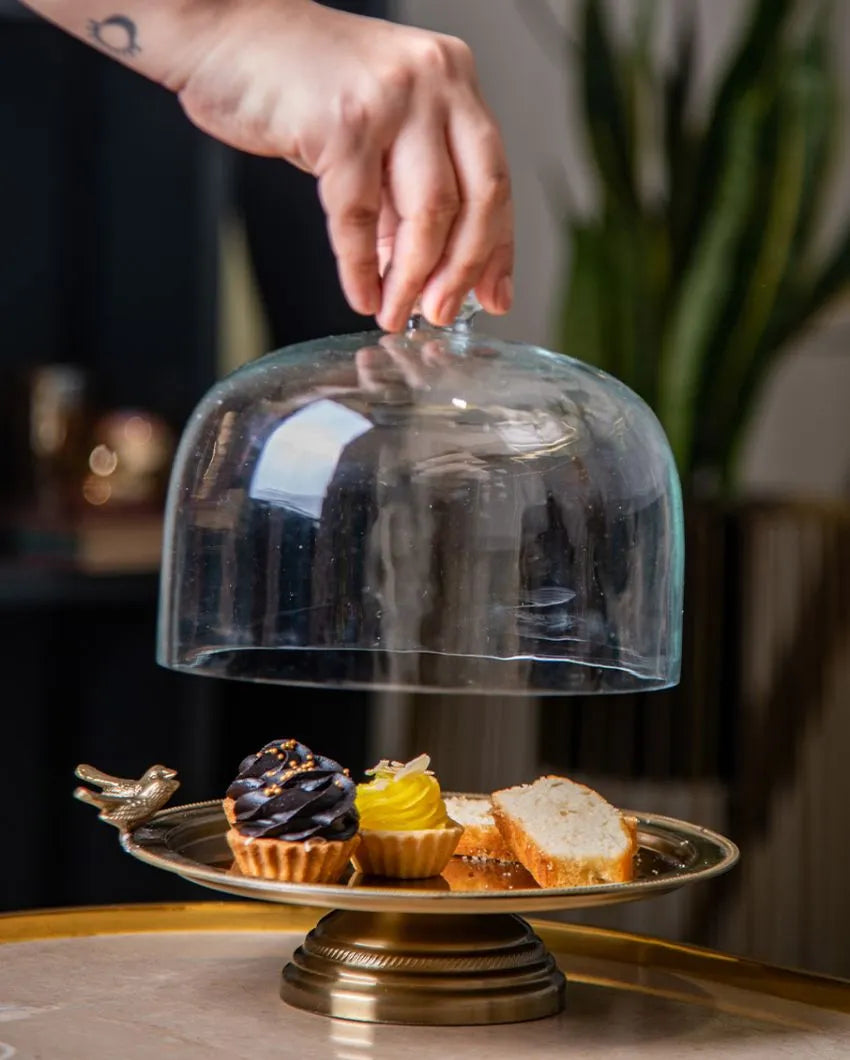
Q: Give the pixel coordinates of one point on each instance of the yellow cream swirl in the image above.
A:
(401, 798)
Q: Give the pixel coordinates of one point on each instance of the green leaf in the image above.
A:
(581, 322)
(708, 441)
(646, 12)
(810, 296)
(801, 309)
(691, 300)
(606, 112)
(785, 196)
(806, 288)
(707, 282)
(679, 149)
(637, 275)
(820, 97)
(618, 275)
(757, 52)
(639, 85)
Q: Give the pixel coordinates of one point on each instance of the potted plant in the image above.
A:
(698, 267)
(689, 287)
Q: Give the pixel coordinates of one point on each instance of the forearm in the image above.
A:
(161, 39)
(410, 163)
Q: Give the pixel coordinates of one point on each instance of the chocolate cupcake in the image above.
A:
(268, 766)
(292, 814)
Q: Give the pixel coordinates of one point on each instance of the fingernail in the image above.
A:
(448, 310)
(505, 293)
(390, 322)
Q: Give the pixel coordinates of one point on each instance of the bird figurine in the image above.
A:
(126, 803)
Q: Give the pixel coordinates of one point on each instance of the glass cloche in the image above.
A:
(430, 511)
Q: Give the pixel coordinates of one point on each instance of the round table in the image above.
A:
(200, 982)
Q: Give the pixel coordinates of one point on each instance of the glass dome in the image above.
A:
(432, 511)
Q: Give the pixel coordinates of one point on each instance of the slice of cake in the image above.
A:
(565, 834)
(481, 838)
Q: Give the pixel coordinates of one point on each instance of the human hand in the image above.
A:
(410, 163)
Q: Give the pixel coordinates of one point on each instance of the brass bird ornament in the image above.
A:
(126, 803)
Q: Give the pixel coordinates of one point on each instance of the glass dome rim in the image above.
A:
(655, 684)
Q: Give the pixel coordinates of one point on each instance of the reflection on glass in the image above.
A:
(301, 456)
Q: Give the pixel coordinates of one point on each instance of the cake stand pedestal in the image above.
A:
(433, 968)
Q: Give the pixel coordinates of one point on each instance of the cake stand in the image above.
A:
(452, 949)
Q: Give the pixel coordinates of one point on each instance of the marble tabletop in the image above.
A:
(200, 982)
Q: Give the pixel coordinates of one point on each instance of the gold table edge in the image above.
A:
(562, 939)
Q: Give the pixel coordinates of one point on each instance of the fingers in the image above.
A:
(387, 225)
(414, 173)
(425, 196)
(350, 192)
(480, 250)
(495, 289)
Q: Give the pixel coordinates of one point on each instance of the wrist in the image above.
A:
(165, 40)
(179, 34)
(207, 25)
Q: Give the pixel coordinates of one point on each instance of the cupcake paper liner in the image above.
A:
(406, 855)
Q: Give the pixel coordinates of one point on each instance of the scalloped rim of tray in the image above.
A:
(175, 837)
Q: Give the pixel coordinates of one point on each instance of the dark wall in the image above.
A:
(107, 195)
(109, 207)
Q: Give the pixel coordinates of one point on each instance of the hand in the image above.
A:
(410, 163)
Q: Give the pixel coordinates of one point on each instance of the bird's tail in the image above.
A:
(94, 776)
(84, 795)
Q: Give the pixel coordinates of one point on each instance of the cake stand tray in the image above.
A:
(447, 950)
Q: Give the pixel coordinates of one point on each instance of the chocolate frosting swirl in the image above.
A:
(284, 791)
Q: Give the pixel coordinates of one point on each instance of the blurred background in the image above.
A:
(682, 193)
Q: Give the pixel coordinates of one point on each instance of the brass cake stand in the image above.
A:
(448, 950)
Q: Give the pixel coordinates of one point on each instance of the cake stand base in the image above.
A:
(428, 968)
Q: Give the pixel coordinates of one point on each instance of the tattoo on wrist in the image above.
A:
(117, 34)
